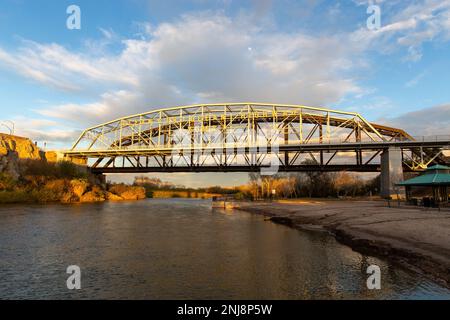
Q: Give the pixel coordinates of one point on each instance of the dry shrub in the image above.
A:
(6, 182)
(62, 169)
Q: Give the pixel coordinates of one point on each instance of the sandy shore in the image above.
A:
(416, 238)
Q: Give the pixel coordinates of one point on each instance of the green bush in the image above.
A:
(38, 168)
(27, 195)
(242, 196)
(62, 169)
(44, 196)
(70, 170)
(6, 182)
(18, 196)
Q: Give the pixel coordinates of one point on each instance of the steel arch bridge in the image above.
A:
(245, 137)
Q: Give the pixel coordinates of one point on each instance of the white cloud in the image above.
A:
(200, 58)
(414, 24)
(205, 57)
(54, 65)
(51, 132)
(91, 112)
(414, 81)
(426, 122)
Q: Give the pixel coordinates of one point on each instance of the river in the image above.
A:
(182, 249)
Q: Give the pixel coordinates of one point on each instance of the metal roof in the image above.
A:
(438, 167)
(437, 175)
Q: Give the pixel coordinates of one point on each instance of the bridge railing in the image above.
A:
(312, 141)
(435, 138)
(276, 142)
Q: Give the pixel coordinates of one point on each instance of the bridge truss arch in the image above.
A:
(245, 137)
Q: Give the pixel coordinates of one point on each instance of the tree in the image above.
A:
(344, 183)
(254, 183)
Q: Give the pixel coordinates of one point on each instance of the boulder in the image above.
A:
(93, 196)
(69, 197)
(79, 187)
(9, 164)
(113, 197)
(134, 193)
(118, 188)
(58, 186)
(128, 192)
(51, 156)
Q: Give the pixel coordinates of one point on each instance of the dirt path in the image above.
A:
(416, 238)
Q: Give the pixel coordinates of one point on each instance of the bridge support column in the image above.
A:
(98, 179)
(391, 173)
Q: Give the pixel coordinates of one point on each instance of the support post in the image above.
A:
(286, 142)
(98, 179)
(391, 173)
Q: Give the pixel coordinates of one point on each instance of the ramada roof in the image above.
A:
(437, 175)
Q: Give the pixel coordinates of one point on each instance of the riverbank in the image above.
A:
(68, 191)
(31, 175)
(412, 237)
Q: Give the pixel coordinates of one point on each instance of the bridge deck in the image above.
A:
(365, 146)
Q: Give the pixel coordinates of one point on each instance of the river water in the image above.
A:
(182, 249)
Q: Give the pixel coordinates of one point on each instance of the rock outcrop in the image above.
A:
(14, 148)
(93, 196)
(128, 192)
(113, 197)
(79, 187)
(23, 147)
(30, 175)
(9, 165)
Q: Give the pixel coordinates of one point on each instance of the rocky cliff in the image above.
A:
(13, 148)
(28, 174)
(23, 147)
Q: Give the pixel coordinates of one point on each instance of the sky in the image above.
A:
(138, 55)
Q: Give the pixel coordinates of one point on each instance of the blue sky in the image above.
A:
(138, 55)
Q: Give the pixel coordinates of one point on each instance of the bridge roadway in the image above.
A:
(347, 146)
(282, 149)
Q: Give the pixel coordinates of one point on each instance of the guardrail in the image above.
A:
(279, 142)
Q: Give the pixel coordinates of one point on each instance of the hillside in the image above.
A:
(30, 175)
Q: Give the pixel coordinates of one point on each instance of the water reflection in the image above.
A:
(182, 249)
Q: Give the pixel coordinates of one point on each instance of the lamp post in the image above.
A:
(10, 128)
(12, 125)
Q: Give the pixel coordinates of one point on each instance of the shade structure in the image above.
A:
(438, 178)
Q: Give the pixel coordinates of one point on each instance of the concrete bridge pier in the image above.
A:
(100, 179)
(391, 173)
